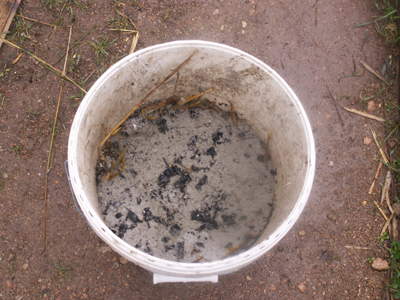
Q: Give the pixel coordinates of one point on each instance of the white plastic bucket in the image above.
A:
(257, 92)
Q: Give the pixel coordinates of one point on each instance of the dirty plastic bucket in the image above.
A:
(257, 92)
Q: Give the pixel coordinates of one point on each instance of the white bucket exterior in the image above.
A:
(257, 92)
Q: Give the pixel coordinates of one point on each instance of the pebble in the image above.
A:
(25, 266)
(216, 11)
(302, 233)
(332, 216)
(222, 27)
(115, 265)
(367, 140)
(252, 11)
(371, 106)
(380, 264)
(11, 257)
(244, 24)
(249, 278)
(330, 164)
(364, 203)
(8, 283)
(302, 287)
(123, 260)
(5, 175)
(104, 249)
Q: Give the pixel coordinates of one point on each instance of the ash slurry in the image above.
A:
(193, 183)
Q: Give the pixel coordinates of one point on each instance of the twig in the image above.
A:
(334, 102)
(379, 147)
(176, 84)
(124, 30)
(364, 114)
(51, 146)
(141, 101)
(47, 65)
(381, 211)
(369, 68)
(266, 149)
(357, 247)
(376, 177)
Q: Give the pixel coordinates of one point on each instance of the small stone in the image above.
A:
(25, 266)
(249, 278)
(367, 140)
(244, 24)
(252, 11)
(222, 27)
(272, 287)
(396, 208)
(302, 287)
(5, 175)
(8, 283)
(11, 257)
(123, 260)
(243, 32)
(115, 265)
(104, 249)
(332, 216)
(331, 164)
(371, 106)
(380, 264)
(216, 11)
(364, 203)
(328, 116)
(302, 233)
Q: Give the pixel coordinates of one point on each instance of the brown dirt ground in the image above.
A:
(310, 45)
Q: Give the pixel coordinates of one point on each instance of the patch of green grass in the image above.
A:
(2, 100)
(383, 237)
(60, 271)
(17, 149)
(73, 63)
(100, 47)
(20, 29)
(385, 23)
(395, 266)
(120, 23)
(370, 259)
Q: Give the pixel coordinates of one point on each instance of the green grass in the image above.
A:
(395, 267)
(20, 30)
(17, 149)
(60, 271)
(2, 100)
(100, 47)
(385, 23)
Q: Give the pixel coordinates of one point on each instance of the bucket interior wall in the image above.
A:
(257, 96)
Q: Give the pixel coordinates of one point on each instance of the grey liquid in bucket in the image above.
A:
(259, 96)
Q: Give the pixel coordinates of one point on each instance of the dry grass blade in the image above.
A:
(195, 97)
(200, 257)
(17, 59)
(379, 147)
(51, 145)
(116, 127)
(37, 21)
(47, 65)
(134, 43)
(385, 190)
(381, 211)
(357, 247)
(376, 177)
(386, 225)
(372, 70)
(334, 102)
(364, 114)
